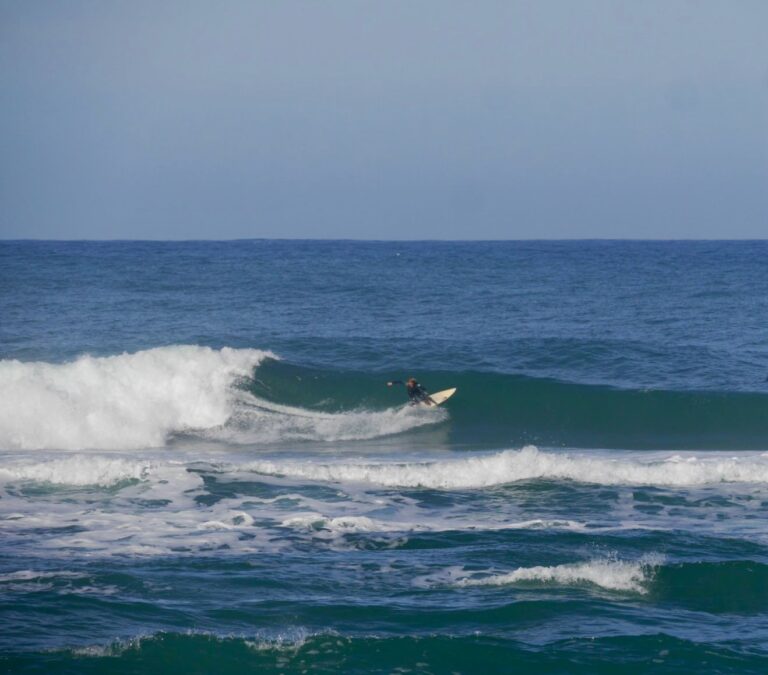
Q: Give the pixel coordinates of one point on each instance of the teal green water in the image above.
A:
(501, 408)
(201, 468)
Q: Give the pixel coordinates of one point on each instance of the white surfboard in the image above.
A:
(439, 397)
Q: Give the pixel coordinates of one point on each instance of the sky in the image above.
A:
(443, 119)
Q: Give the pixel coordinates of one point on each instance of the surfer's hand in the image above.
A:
(389, 384)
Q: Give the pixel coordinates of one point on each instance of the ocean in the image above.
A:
(202, 470)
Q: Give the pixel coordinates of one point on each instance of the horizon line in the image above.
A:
(384, 241)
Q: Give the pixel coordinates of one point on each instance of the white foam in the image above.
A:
(354, 523)
(614, 575)
(119, 402)
(158, 502)
(78, 470)
(258, 421)
(154, 515)
(160, 514)
(344, 524)
(530, 463)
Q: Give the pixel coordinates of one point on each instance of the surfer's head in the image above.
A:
(411, 380)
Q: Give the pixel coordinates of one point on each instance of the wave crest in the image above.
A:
(530, 463)
(613, 575)
(119, 402)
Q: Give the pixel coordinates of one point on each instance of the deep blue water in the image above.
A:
(200, 464)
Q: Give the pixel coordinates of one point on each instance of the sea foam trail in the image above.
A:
(530, 464)
(259, 421)
(119, 402)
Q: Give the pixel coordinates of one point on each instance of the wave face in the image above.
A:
(548, 412)
(498, 410)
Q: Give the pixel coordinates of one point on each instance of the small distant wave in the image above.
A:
(613, 575)
(33, 575)
(324, 650)
(530, 463)
(279, 642)
(712, 586)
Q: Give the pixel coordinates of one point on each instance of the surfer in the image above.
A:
(416, 393)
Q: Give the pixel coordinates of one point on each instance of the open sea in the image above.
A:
(202, 470)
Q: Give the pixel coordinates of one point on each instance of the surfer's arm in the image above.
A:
(389, 384)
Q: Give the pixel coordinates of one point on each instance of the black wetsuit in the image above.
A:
(416, 393)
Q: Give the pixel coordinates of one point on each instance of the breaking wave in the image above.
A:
(119, 402)
(530, 463)
(613, 575)
(142, 400)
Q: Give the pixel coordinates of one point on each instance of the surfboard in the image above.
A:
(439, 397)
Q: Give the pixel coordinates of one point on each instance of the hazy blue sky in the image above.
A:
(384, 120)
